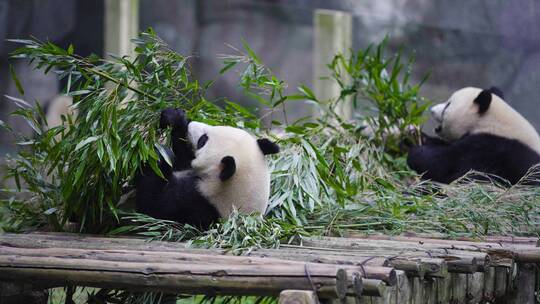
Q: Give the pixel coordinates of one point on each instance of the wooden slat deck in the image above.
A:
(373, 269)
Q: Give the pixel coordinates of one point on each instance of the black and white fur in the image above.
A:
(215, 169)
(478, 131)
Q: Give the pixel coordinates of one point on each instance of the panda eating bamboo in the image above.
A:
(477, 131)
(215, 169)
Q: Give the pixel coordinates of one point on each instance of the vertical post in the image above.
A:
(332, 35)
(298, 297)
(525, 290)
(121, 25)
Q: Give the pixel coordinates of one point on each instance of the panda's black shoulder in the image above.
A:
(496, 142)
(503, 156)
(491, 145)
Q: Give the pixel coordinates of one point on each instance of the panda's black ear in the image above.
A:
(483, 101)
(496, 91)
(228, 168)
(267, 146)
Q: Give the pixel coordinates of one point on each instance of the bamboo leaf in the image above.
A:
(86, 141)
(16, 80)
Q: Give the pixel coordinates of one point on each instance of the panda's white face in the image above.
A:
(248, 188)
(467, 112)
(458, 116)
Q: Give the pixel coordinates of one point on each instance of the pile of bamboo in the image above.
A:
(370, 269)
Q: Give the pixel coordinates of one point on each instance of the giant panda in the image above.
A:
(477, 130)
(215, 169)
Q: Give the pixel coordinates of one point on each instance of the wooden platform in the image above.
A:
(374, 269)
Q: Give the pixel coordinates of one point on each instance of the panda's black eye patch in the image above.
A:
(202, 141)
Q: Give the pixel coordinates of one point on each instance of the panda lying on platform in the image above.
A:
(215, 169)
(478, 131)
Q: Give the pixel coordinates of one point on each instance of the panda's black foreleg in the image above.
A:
(432, 141)
(434, 161)
(182, 149)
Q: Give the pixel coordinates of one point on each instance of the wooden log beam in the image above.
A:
(90, 242)
(502, 257)
(159, 271)
(209, 279)
(419, 244)
(456, 261)
(520, 248)
(488, 241)
(414, 266)
(137, 249)
(529, 255)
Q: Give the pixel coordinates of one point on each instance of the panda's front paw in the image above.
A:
(174, 118)
(406, 143)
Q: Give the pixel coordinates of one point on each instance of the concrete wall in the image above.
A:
(460, 42)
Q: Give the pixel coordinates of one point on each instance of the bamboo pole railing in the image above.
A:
(372, 269)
